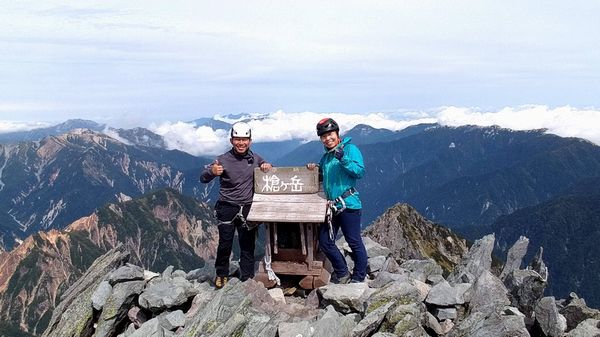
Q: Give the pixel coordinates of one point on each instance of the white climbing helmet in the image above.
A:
(241, 129)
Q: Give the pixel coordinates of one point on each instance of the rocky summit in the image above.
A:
(408, 299)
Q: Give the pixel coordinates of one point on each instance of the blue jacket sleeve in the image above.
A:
(352, 162)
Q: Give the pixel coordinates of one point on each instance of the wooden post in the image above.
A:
(302, 238)
(310, 243)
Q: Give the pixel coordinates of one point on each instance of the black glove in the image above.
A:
(338, 152)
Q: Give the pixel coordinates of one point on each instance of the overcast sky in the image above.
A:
(137, 63)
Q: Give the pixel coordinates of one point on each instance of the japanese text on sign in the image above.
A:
(274, 184)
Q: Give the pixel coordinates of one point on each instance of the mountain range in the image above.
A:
(52, 182)
(160, 229)
(568, 228)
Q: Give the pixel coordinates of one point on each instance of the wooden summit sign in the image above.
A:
(291, 205)
(286, 180)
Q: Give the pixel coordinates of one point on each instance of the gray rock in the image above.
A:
(166, 294)
(435, 279)
(538, 265)
(372, 321)
(239, 309)
(205, 295)
(430, 322)
(423, 289)
(150, 275)
(129, 272)
(488, 294)
(384, 334)
(376, 263)
(514, 257)
(576, 311)
(263, 325)
(552, 323)
(525, 289)
(331, 324)
(477, 260)
(405, 320)
(395, 292)
(172, 320)
(117, 306)
(295, 329)
(101, 294)
(73, 316)
(512, 311)
(179, 273)
(446, 326)
(375, 249)
(422, 269)
(479, 324)
(385, 277)
(204, 274)
(152, 328)
(391, 265)
(346, 298)
(444, 313)
(277, 295)
(166, 274)
(444, 295)
(588, 328)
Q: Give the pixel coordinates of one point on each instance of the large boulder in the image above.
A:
(476, 261)
(552, 323)
(575, 310)
(167, 293)
(514, 258)
(525, 288)
(479, 324)
(73, 317)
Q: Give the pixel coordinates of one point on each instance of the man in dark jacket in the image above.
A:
(235, 169)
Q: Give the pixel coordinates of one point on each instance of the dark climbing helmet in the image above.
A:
(326, 125)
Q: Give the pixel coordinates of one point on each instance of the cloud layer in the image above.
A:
(279, 126)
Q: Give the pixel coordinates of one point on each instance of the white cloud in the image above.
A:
(279, 126)
(12, 126)
(202, 141)
(564, 121)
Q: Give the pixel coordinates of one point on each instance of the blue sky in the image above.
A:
(133, 63)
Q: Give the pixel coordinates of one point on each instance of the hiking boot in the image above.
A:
(220, 282)
(342, 280)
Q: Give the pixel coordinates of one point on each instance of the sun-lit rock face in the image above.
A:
(410, 236)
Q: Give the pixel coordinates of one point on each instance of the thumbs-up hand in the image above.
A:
(216, 168)
(338, 153)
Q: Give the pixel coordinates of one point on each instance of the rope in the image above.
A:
(270, 273)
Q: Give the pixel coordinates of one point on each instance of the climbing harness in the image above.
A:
(334, 210)
(242, 219)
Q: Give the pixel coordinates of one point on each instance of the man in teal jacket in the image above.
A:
(341, 166)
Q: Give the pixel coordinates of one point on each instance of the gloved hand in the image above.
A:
(338, 153)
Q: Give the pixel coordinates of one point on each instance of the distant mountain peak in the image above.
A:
(405, 231)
